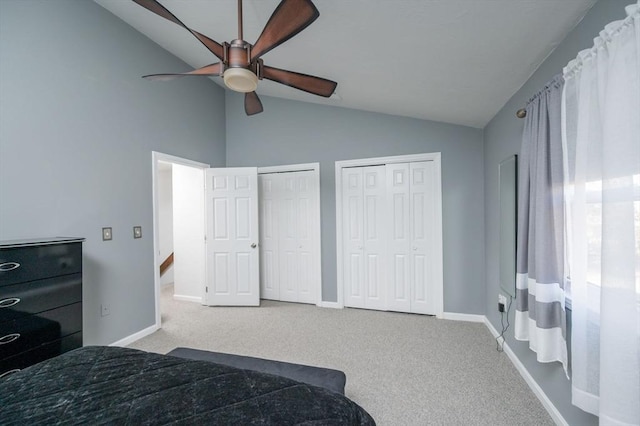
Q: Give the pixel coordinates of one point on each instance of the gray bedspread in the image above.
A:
(109, 385)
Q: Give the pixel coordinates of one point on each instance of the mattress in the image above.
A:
(110, 385)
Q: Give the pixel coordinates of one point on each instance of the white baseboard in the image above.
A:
(454, 316)
(537, 390)
(187, 298)
(333, 305)
(135, 336)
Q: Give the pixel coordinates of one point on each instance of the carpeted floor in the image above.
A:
(403, 369)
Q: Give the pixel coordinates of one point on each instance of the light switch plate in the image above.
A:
(105, 310)
(137, 232)
(106, 234)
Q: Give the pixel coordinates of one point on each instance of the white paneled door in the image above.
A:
(232, 237)
(388, 237)
(398, 206)
(289, 222)
(364, 237)
(411, 206)
(422, 219)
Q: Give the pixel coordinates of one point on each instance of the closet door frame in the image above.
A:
(315, 169)
(437, 241)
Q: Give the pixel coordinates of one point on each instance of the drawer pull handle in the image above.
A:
(6, 373)
(9, 266)
(9, 338)
(7, 303)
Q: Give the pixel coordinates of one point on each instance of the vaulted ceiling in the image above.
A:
(455, 61)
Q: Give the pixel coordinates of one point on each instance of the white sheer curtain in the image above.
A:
(602, 153)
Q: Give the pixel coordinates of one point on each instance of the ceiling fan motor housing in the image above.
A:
(239, 73)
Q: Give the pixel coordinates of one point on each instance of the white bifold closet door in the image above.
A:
(289, 215)
(411, 215)
(364, 236)
(388, 224)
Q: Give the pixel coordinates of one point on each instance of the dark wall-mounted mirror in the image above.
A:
(508, 171)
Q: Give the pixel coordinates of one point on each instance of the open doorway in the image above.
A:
(178, 221)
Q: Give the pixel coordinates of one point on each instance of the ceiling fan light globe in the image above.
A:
(240, 80)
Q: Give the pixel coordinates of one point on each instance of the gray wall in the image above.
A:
(502, 137)
(291, 132)
(77, 127)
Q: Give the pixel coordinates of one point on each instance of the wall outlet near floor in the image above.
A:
(502, 302)
(502, 299)
(105, 310)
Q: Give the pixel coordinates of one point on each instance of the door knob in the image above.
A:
(253, 245)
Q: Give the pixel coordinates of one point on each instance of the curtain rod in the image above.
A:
(521, 113)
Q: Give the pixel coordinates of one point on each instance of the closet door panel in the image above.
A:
(375, 220)
(422, 218)
(399, 240)
(269, 257)
(353, 239)
(289, 236)
(308, 271)
(289, 226)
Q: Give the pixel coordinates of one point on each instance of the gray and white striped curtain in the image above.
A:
(540, 298)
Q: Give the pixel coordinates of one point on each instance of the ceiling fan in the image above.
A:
(240, 63)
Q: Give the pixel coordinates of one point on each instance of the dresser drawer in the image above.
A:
(32, 331)
(37, 296)
(25, 359)
(23, 264)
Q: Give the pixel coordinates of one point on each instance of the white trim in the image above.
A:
(455, 316)
(156, 157)
(289, 168)
(187, 298)
(315, 168)
(537, 390)
(136, 336)
(159, 156)
(437, 242)
(332, 305)
(410, 158)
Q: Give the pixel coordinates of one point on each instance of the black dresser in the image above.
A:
(40, 300)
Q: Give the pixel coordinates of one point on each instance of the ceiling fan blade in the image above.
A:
(208, 70)
(252, 104)
(289, 18)
(155, 7)
(308, 83)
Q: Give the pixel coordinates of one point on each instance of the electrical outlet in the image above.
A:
(502, 302)
(105, 310)
(502, 299)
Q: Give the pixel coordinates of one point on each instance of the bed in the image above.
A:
(110, 385)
